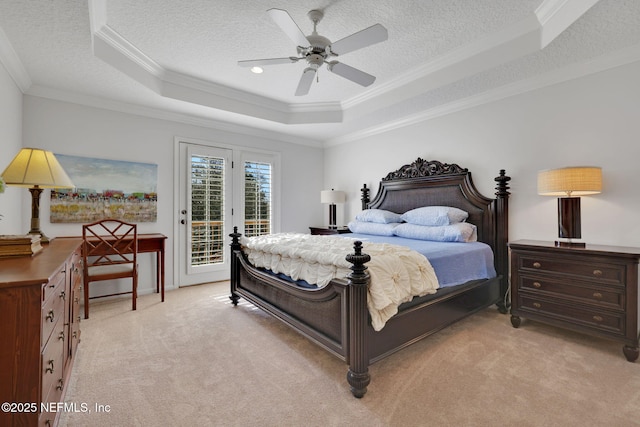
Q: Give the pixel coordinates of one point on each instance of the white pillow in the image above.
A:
(435, 215)
(374, 228)
(459, 232)
(380, 216)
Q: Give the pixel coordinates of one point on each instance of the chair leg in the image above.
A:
(135, 290)
(86, 298)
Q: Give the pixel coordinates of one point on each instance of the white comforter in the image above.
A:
(397, 273)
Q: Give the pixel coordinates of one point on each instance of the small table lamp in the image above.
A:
(570, 182)
(37, 169)
(332, 197)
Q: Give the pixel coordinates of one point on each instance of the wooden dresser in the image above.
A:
(39, 331)
(592, 289)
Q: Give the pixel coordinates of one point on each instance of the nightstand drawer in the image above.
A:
(609, 322)
(604, 297)
(580, 268)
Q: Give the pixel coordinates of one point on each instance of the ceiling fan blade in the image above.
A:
(271, 61)
(372, 35)
(305, 81)
(350, 73)
(289, 26)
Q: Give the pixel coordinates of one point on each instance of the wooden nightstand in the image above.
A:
(330, 230)
(592, 290)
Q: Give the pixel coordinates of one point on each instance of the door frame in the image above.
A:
(238, 154)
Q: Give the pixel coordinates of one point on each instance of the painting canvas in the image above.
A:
(106, 189)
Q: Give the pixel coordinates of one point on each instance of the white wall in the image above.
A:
(10, 144)
(594, 120)
(73, 129)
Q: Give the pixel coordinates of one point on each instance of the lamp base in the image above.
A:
(35, 214)
(569, 244)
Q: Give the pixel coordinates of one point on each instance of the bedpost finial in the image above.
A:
(358, 259)
(503, 186)
(235, 237)
(365, 196)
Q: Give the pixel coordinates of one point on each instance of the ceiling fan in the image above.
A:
(317, 49)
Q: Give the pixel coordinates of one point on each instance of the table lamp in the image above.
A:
(570, 183)
(36, 169)
(332, 197)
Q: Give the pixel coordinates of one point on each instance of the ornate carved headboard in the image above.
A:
(433, 183)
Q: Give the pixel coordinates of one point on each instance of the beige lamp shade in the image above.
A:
(35, 167)
(570, 181)
(332, 197)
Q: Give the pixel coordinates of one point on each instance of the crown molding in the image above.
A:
(163, 114)
(555, 16)
(571, 72)
(11, 61)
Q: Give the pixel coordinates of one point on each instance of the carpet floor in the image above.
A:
(195, 360)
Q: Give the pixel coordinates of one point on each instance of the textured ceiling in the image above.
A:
(177, 59)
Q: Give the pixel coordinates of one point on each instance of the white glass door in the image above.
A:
(205, 213)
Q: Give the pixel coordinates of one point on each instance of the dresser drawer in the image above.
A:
(594, 319)
(52, 312)
(57, 280)
(52, 361)
(583, 268)
(604, 297)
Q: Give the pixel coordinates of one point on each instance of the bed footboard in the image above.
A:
(335, 317)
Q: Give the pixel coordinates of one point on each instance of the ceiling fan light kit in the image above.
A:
(315, 49)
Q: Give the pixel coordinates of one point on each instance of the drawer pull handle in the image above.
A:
(597, 318)
(62, 295)
(597, 295)
(50, 316)
(537, 305)
(61, 335)
(536, 284)
(60, 385)
(597, 273)
(50, 368)
(537, 264)
(75, 334)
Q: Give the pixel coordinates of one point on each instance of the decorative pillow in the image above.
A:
(380, 216)
(435, 216)
(459, 232)
(374, 228)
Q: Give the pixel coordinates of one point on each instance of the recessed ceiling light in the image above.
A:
(256, 70)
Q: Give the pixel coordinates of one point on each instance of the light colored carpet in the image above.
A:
(195, 360)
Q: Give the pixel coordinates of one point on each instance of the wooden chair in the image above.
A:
(109, 251)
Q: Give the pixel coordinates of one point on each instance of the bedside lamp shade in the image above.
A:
(332, 198)
(569, 183)
(36, 169)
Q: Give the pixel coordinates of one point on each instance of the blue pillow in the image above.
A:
(435, 216)
(374, 228)
(460, 232)
(380, 216)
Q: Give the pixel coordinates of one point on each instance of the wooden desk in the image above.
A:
(155, 243)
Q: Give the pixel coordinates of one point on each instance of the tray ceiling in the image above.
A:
(178, 60)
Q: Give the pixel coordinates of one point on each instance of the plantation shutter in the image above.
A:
(257, 198)
(207, 210)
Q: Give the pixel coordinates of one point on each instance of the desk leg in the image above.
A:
(161, 276)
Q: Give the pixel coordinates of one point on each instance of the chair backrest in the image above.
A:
(109, 242)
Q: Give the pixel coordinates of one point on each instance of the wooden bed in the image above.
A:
(336, 316)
